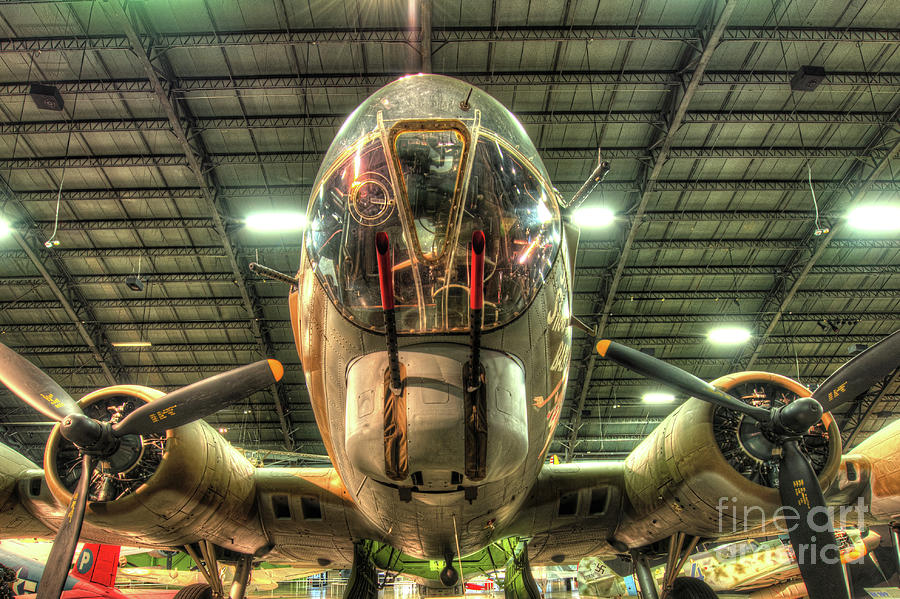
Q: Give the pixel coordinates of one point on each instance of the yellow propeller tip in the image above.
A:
(602, 347)
(277, 369)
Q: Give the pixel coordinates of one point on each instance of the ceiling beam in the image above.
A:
(333, 121)
(689, 362)
(234, 346)
(447, 35)
(301, 192)
(161, 252)
(742, 294)
(479, 79)
(277, 322)
(161, 78)
(730, 271)
(314, 157)
(690, 216)
(633, 272)
(606, 245)
(865, 408)
(624, 296)
(859, 183)
(65, 288)
(663, 144)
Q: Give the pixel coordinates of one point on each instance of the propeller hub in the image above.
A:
(797, 417)
(84, 432)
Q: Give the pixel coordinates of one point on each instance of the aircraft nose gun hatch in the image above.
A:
(435, 390)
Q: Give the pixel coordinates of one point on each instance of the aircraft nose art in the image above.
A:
(431, 430)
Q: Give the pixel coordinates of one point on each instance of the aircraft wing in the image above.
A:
(201, 489)
(572, 511)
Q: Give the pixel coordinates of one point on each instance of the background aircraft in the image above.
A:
(739, 566)
(92, 577)
(436, 369)
(179, 569)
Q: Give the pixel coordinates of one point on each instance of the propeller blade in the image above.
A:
(59, 562)
(817, 552)
(30, 384)
(859, 374)
(200, 399)
(675, 377)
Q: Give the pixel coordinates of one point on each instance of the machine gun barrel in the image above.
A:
(386, 282)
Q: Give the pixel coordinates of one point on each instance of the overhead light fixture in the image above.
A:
(728, 335)
(875, 217)
(46, 97)
(132, 344)
(807, 78)
(593, 217)
(4, 228)
(276, 221)
(134, 283)
(658, 398)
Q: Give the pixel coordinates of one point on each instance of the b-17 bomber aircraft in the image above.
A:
(432, 315)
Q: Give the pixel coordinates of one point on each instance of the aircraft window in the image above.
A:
(311, 508)
(281, 506)
(599, 499)
(34, 488)
(568, 504)
(509, 202)
(851, 472)
(430, 167)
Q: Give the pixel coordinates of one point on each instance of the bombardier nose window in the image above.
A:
(430, 164)
(412, 164)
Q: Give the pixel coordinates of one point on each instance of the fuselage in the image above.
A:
(416, 164)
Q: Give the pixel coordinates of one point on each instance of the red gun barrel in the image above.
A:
(385, 270)
(476, 287)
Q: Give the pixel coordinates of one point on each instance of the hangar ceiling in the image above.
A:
(183, 116)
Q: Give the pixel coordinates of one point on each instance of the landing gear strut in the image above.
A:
(675, 561)
(643, 575)
(204, 556)
(520, 583)
(363, 581)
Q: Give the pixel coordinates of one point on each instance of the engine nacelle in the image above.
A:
(169, 490)
(700, 472)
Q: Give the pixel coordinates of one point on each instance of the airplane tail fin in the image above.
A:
(97, 564)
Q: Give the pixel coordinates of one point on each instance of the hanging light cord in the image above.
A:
(813, 192)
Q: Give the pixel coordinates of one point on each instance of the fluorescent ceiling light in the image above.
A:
(591, 217)
(658, 398)
(728, 335)
(277, 221)
(132, 344)
(880, 217)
